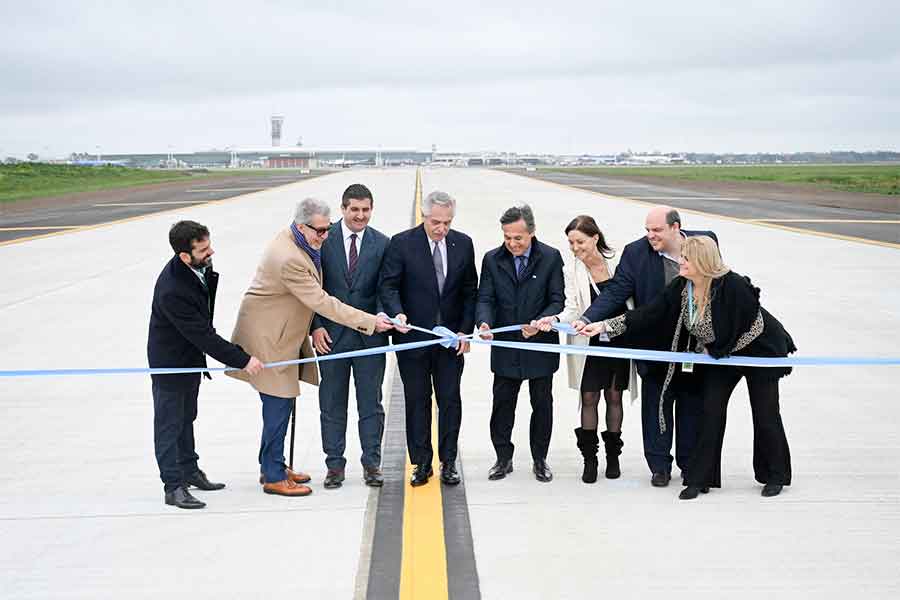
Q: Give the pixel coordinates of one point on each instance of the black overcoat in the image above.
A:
(504, 299)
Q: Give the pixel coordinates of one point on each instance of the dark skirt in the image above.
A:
(600, 372)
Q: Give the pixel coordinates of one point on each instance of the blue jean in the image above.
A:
(276, 412)
(334, 389)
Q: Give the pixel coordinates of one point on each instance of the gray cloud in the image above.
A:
(578, 77)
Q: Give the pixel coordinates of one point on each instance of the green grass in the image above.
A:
(33, 180)
(877, 179)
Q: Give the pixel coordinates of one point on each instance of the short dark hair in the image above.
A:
(673, 217)
(357, 191)
(184, 233)
(519, 213)
(588, 226)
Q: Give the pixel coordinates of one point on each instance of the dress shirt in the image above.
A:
(345, 231)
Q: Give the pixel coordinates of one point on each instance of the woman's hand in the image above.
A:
(544, 323)
(593, 329)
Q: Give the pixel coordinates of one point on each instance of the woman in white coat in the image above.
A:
(586, 276)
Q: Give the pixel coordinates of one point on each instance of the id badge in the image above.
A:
(687, 367)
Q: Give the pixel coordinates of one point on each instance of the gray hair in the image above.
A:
(308, 208)
(519, 213)
(438, 198)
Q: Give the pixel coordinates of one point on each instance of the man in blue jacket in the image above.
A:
(181, 335)
(521, 281)
(351, 263)
(646, 267)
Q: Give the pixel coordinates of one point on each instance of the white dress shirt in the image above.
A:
(442, 248)
(347, 233)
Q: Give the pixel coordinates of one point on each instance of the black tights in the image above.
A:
(589, 413)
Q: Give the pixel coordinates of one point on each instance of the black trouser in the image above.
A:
(682, 398)
(503, 415)
(771, 455)
(174, 412)
(420, 370)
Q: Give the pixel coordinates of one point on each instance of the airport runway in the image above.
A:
(81, 510)
(770, 205)
(49, 216)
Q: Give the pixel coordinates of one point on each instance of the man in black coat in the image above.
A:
(646, 267)
(521, 281)
(428, 278)
(351, 262)
(181, 335)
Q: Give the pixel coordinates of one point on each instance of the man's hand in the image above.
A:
(528, 331)
(402, 318)
(382, 324)
(321, 341)
(578, 325)
(593, 329)
(253, 366)
(485, 336)
(463, 345)
(544, 323)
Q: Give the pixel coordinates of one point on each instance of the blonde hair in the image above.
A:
(703, 253)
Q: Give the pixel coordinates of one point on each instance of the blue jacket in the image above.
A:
(360, 291)
(504, 299)
(181, 330)
(408, 283)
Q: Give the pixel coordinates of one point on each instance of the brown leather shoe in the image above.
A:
(295, 476)
(298, 476)
(286, 488)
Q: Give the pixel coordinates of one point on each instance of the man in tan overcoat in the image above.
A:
(273, 324)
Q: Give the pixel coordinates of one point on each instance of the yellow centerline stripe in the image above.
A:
(763, 223)
(423, 563)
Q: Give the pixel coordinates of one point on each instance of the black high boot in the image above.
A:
(588, 443)
(613, 443)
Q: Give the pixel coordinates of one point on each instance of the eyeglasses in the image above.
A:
(320, 231)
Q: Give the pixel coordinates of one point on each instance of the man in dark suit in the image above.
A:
(521, 281)
(429, 277)
(646, 267)
(181, 335)
(351, 261)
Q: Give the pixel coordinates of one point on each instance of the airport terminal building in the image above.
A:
(276, 158)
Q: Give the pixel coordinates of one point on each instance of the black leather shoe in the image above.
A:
(334, 479)
(182, 498)
(200, 481)
(420, 475)
(372, 476)
(449, 474)
(692, 491)
(501, 469)
(660, 479)
(542, 471)
(771, 489)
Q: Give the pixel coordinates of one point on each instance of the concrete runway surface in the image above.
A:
(81, 506)
(870, 217)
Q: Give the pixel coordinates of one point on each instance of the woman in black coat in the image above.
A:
(713, 310)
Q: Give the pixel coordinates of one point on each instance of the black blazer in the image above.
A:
(504, 299)
(640, 275)
(408, 283)
(181, 331)
(360, 291)
(734, 306)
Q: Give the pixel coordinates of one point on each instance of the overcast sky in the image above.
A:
(594, 76)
